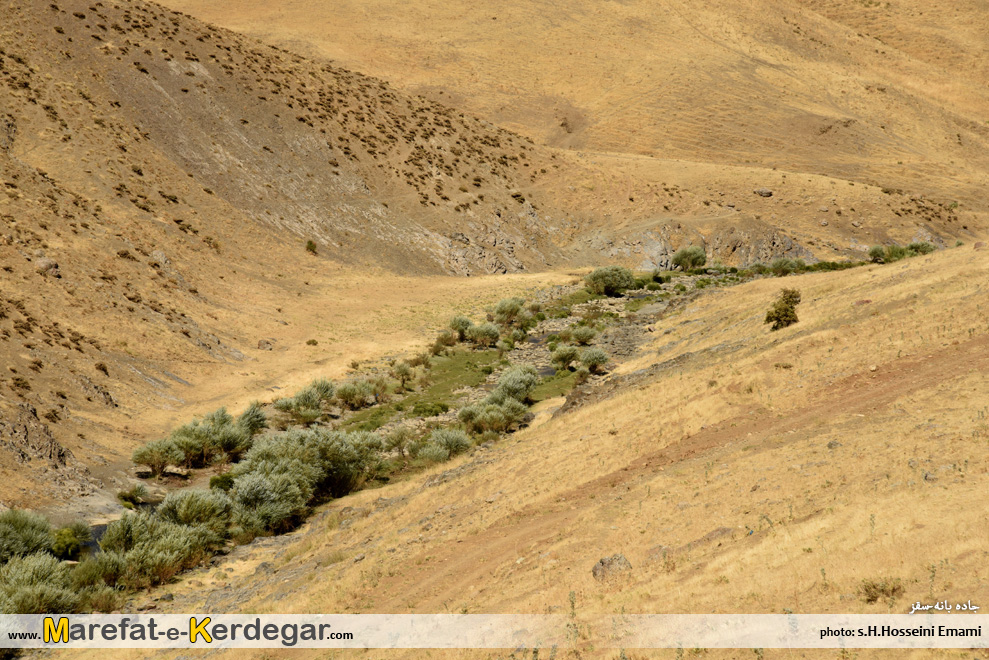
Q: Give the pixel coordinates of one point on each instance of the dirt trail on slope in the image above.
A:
(428, 583)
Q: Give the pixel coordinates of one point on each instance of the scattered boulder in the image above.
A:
(264, 345)
(608, 567)
(763, 192)
(46, 266)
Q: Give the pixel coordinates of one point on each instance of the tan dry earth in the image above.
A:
(161, 178)
(892, 94)
(738, 469)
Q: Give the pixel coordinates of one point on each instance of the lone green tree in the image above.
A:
(783, 313)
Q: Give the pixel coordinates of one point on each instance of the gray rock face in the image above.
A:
(608, 567)
(24, 434)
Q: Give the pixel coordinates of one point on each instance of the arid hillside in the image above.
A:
(886, 94)
(162, 181)
(191, 218)
(737, 469)
(893, 93)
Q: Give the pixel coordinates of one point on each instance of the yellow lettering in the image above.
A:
(59, 633)
(196, 629)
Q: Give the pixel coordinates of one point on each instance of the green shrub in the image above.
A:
(877, 254)
(921, 247)
(485, 335)
(266, 505)
(23, 533)
(434, 453)
(594, 359)
(130, 498)
(782, 267)
(399, 440)
(414, 446)
(158, 455)
(252, 420)
(70, 540)
(423, 409)
(583, 335)
(215, 436)
(402, 372)
(36, 584)
(783, 313)
(492, 415)
(517, 382)
(689, 257)
(581, 375)
(222, 482)
(356, 394)
(895, 253)
(564, 356)
(461, 325)
(208, 508)
(102, 599)
(105, 568)
(446, 338)
(654, 286)
(323, 387)
(311, 247)
(610, 280)
(453, 440)
(508, 311)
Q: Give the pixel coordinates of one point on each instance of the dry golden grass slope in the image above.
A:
(738, 469)
(159, 180)
(888, 94)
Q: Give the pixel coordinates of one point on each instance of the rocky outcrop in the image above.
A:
(24, 435)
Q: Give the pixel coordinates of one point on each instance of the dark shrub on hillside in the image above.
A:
(70, 540)
(783, 313)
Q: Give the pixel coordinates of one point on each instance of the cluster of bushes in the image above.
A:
(508, 323)
(307, 404)
(880, 255)
(34, 579)
(784, 266)
(505, 406)
(215, 438)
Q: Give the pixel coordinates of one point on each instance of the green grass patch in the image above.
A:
(370, 419)
(464, 368)
(561, 307)
(636, 304)
(553, 386)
